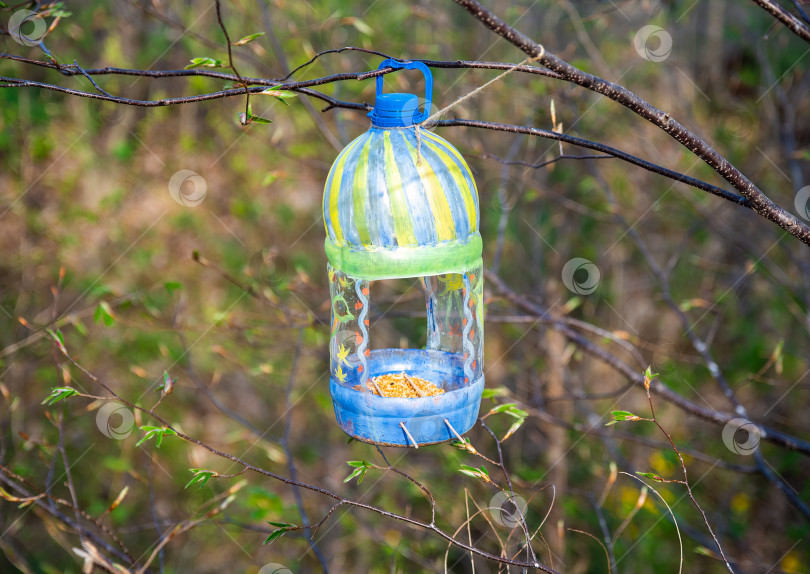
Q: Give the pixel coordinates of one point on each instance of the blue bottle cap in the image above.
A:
(395, 111)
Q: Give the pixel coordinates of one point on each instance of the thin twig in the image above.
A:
(231, 65)
(709, 414)
(247, 466)
(686, 477)
(285, 444)
(663, 120)
(791, 22)
(518, 510)
(90, 78)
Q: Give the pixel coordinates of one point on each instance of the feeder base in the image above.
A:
(379, 420)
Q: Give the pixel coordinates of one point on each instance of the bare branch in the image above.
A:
(791, 22)
(759, 201)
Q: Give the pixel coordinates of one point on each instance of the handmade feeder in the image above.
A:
(400, 202)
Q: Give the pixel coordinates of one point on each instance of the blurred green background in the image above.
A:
(84, 187)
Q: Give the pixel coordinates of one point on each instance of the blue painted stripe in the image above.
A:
(380, 223)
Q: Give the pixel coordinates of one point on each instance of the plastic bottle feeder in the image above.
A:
(402, 204)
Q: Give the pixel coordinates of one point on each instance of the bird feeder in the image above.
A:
(401, 202)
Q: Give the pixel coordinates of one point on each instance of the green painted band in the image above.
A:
(414, 261)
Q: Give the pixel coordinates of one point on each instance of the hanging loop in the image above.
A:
(410, 65)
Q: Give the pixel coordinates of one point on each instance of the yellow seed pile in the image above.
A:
(402, 385)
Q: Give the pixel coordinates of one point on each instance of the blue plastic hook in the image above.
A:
(409, 65)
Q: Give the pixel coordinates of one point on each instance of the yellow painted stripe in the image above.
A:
(439, 206)
(444, 143)
(396, 197)
(461, 181)
(359, 193)
(334, 192)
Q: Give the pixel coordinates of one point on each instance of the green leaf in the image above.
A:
(282, 528)
(168, 383)
(479, 473)
(254, 119)
(275, 534)
(104, 313)
(510, 409)
(157, 433)
(251, 118)
(361, 472)
(571, 304)
(59, 394)
(172, 286)
(80, 328)
(360, 469)
(515, 426)
(651, 476)
(248, 38)
(269, 178)
(464, 444)
(491, 393)
(57, 10)
(200, 477)
(282, 524)
(100, 291)
(58, 339)
(205, 62)
(621, 416)
(280, 95)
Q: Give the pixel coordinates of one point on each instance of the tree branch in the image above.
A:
(791, 22)
(606, 149)
(759, 201)
(295, 483)
(709, 414)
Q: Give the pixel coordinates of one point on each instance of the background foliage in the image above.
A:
(83, 186)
